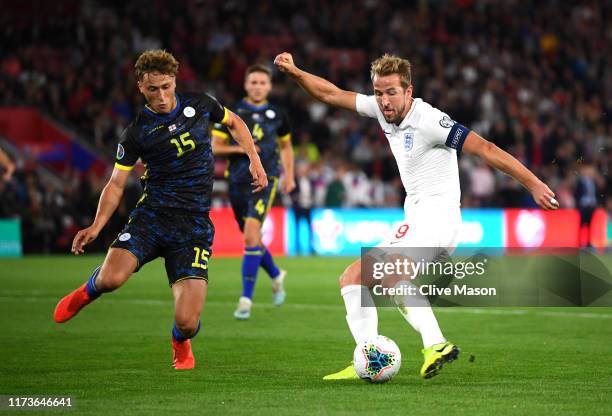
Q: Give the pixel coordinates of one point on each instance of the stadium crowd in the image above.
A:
(51, 214)
(534, 78)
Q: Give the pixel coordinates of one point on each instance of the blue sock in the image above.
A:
(91, 288)
(250, 264)
(267, 262)
(180, 337)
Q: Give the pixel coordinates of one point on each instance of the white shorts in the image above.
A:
(427, 226)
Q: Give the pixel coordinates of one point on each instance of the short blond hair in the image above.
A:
(391, 64)
(157, 60)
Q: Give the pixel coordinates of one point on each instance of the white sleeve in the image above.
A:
(366, 105)
(440, 129)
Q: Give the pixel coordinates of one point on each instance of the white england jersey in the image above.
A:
(425, 147)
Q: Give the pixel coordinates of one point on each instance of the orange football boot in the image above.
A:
(182, 356)
(71, 304)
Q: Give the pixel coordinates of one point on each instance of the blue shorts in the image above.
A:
(184, 240)
(246, 204)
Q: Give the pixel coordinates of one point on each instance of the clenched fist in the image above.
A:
(284, 62)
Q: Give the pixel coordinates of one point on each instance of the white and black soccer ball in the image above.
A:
(377, 360)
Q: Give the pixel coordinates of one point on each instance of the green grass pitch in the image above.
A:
(115, 358)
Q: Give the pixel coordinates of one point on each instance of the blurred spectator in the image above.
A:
(588, 183)
(9, 203)
(357, 187)
(306, 151)
(336, 192)
(302, 202)
(482, 183)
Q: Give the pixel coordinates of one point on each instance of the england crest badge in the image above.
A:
(408, 141)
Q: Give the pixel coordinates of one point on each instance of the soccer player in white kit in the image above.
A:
(424, 142)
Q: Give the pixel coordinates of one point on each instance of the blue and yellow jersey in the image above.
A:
(269, 125)
(176, 151)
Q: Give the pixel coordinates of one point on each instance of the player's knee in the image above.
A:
(252, 238)
(251, 241)
(252, 233)
(350, 276)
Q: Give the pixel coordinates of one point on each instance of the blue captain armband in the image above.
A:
(457, 136)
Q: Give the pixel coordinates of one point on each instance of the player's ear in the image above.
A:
(409, 91)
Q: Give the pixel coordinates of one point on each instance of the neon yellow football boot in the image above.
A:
(347, 374)
(436, 355)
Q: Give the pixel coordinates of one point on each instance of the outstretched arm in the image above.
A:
(242, 135)
(220, 147)
(319, 88)
(505, 162)
(109, 201)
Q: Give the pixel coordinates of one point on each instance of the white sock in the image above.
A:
(361, 314)
(420, 316)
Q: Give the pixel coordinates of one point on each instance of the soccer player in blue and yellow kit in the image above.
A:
(171, 137)
(270, 129)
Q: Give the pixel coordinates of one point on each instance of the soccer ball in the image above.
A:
(377, 360)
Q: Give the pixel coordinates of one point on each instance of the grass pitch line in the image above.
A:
(20, 296)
